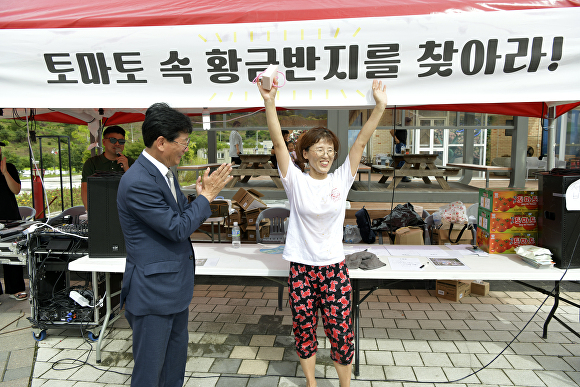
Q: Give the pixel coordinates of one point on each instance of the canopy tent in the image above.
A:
(540, 38)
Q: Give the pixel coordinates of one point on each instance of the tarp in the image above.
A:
(515, 58)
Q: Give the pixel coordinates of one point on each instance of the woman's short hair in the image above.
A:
(313, 136)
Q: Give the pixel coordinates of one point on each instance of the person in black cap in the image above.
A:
(400, 137)
(9, 188)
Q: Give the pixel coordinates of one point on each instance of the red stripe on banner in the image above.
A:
(16, 14)
(523, 109)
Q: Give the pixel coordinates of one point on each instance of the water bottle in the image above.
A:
(403, 149)
(236, 236)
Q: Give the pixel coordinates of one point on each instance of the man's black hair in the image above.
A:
(162, 120)
(114, 129)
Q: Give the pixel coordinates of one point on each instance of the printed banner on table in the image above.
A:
(476, 57)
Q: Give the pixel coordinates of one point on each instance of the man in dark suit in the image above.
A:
(157, 221)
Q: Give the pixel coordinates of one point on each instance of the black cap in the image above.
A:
(2, 144)
(408, 119)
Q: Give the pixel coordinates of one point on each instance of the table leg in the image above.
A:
(552, 315)
(369, 172)
(355, 315)
(383, 179)
(398, 176)
(108, 313)
(442, 182)
(486, 179)
(246, 178)
(275, 179)
(395, 182)
(554, 308)
(232, 183)
(280, 296)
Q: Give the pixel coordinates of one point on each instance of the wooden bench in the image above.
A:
(390, 172)
(485, 168)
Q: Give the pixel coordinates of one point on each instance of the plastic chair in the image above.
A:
(26, 213)
(74, 212)
(277, 216)
(533, 163)
(559, 163)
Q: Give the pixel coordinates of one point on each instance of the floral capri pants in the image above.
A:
(326, 288)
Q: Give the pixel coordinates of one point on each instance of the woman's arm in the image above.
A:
(274, 128)
(355, 154)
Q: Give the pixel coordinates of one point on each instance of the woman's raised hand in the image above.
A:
(379, 93)
(268, 94)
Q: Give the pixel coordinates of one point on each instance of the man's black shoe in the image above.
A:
(406, 179)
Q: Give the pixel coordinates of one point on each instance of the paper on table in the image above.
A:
(206, 261)
(457, 247)
(448, 263)
(377, 250)
(405, 263)
(423, 251)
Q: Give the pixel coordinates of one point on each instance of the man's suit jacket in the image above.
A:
(160, 265)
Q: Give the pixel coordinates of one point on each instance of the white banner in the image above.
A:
(476, 57)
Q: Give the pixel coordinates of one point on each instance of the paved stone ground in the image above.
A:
(237, 337)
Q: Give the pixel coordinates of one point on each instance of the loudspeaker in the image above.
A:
(559, 228)
(105, 235)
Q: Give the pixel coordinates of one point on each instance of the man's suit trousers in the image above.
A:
(159, 349)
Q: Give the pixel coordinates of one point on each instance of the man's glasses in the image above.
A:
(321, 152)
(114, 140)
(186, 145)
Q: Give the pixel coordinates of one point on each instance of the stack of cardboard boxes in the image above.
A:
(246, 206)
(506, 219)
(455, 290)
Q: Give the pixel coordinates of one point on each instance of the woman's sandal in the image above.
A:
(19, 296)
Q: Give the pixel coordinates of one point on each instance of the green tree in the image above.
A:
(134, 149)
(12, 131)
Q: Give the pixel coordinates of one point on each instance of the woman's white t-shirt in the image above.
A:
(317, 208)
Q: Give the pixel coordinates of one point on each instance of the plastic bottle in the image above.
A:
(403, 149)
(236, 236)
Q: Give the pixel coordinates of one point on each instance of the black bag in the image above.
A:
(363, 221)
(403, 215)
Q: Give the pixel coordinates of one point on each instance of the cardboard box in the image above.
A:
(452, 290)
(251, 231)
(228, 232)
(249, 199)
(505, 200)
(480, 288)
(409, 236)
(504, 242)
(219, 208)
(441, 237)
(235, 216)
(507, 221)
(252, 216)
